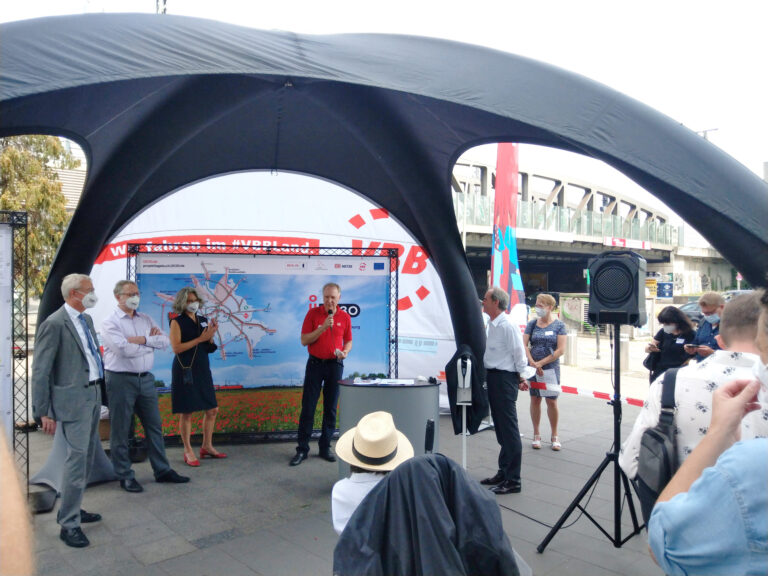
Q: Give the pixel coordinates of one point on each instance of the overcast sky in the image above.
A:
(701, 62)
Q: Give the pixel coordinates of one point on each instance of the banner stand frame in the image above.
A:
(40, 500)
(133, 250)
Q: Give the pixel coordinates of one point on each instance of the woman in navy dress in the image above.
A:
(192, 389)
(544, 340)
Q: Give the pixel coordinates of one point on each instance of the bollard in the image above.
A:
(624, 351)
(571, 356)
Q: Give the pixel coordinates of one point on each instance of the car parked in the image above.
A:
(728, 294)
(693, 311)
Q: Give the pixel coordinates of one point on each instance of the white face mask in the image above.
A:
(541, 312)
(90, 300)
(193, 307)
(132, 302)
(668, 328)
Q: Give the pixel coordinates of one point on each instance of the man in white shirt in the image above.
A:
(506, 368)
(130, 339)
(372, 449)
(696, 383)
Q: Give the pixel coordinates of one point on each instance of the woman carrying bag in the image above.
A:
(667, 349)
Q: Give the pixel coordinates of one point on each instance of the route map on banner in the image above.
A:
(260, 302)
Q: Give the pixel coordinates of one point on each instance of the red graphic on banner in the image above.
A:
(505, 271)
(415, 261)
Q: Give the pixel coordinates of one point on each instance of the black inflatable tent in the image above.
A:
(158, 102)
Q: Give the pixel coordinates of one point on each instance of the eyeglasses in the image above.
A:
(129, 294)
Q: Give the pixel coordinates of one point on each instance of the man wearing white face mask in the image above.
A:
(130, 340)
(67, 374)
(696, 383)
(705, 343)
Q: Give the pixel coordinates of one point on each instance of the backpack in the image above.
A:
(657, 461)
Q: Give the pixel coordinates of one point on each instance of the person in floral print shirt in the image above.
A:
(696, 383)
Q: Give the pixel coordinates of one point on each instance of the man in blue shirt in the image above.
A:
(686, 533)
(704, 344)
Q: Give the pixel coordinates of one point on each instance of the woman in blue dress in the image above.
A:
(544, 340)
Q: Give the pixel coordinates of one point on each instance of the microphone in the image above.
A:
(330, 315)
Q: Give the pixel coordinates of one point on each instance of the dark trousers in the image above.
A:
(502, 396)
(325, 375)
(129, 394)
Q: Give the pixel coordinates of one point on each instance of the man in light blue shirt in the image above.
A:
(712, 518)
(130, 340)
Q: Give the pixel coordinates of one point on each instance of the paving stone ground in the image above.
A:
(253, 514)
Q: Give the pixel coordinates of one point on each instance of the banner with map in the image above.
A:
(260, 302)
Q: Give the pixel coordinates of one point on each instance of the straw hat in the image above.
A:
(374, 444)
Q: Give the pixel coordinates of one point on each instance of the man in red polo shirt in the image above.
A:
(327, 333)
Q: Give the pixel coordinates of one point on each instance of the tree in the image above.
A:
(28, 182)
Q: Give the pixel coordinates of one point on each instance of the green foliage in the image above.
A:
(28, 182)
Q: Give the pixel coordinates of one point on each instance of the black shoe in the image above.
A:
(298, 459)
(74, 537)
(328, 455)
(493, 480)
(172, 476)
(507, 487)
(131, 485)
(88, 517)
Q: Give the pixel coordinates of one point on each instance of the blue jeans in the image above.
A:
(325, 375)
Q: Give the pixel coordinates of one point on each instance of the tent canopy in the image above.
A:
(158, 102)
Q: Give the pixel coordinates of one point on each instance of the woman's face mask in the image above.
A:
(669, 328)
(193, 307)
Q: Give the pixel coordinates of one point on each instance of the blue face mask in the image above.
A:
(712, 318)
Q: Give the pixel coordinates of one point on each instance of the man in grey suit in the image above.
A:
(67, 373)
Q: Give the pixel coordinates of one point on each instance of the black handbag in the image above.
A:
(651, 360)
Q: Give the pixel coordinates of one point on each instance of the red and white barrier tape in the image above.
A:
(576, 391)
(593, 393)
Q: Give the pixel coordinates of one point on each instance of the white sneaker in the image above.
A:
(536, 442)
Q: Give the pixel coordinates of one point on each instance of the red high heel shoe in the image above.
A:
(190, 462)
(206, 454)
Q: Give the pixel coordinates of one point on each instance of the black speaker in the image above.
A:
(617, 289)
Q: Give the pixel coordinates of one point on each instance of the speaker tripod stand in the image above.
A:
(620, 480)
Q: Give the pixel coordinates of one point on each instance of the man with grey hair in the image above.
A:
(506, 366)
(67, 373)
(130, 340)
(327, 334)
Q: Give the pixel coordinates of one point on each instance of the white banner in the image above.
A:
(6, 329)
(294, 213)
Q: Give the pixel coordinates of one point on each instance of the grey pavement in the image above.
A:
(253, 514)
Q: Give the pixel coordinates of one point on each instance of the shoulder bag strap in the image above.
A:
(667, 415)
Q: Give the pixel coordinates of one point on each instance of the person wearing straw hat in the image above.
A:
(372, 449)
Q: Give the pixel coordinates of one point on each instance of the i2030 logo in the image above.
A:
(352, 309)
